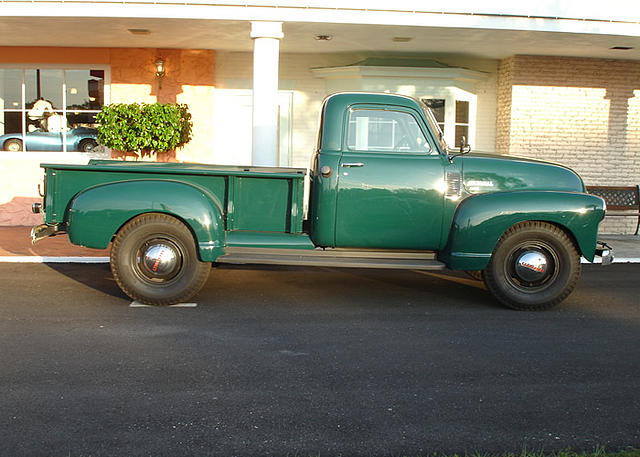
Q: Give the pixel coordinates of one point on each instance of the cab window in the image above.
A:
(385, 131)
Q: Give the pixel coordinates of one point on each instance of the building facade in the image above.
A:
(547, 81)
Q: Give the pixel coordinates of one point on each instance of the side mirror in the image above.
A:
(465, 148)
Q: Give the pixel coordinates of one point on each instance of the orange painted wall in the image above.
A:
(189, 79)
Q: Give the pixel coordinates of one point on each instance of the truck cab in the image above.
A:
(378, 176)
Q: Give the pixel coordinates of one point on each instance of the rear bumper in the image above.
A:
(43, 231)
(605, 252)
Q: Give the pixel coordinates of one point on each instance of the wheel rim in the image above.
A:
(158, 261)
(532, 267)
(87, 146)
(14, 146)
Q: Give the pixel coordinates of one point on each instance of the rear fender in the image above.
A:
(96, 214)
(480, 221)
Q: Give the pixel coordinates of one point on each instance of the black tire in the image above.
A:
(87, 145)
(154, 260)
(12, 145)
(475, 274)
(534, 266)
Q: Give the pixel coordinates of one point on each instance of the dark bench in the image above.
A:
(620, 200)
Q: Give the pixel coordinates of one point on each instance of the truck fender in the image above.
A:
(96, 214)
(480, 221)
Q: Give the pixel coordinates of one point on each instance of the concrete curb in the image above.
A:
(52, 259)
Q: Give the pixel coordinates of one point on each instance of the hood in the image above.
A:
(494, 173)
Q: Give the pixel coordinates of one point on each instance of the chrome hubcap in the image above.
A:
(159, 260)
(531, 266)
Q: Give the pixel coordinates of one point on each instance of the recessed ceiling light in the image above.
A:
(139, 31)
(621, 48)
(323, 37)
(401, 39)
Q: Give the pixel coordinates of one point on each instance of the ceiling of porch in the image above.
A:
(301, 37)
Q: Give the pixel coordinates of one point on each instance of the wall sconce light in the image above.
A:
(160, 71)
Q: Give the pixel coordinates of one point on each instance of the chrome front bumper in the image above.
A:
(605, 252)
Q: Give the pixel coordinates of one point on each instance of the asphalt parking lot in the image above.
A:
(279, 361)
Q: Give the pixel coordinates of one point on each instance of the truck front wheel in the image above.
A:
(534, 266)
(154, 260)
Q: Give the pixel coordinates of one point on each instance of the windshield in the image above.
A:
(435, 128)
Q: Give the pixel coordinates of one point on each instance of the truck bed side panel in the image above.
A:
(258, 200)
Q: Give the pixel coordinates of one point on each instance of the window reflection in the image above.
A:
(10, 89)
(50, 109)
(462, 121)
(85, 89)
(385, 131)
(437, 108)
(44, 85)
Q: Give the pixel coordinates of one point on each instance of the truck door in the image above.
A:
(390, 182)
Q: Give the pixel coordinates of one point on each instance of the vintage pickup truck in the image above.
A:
(385, 192)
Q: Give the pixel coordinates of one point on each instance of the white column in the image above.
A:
(266, 48)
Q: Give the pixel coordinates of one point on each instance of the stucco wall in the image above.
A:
(234, 71)
(582, 113)
(189, 79)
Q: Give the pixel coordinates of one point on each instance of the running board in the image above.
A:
(342, 258)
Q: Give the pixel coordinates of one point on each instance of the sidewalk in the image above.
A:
(626, 248)
(15, 246)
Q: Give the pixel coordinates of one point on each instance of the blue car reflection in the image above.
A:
(81, 139)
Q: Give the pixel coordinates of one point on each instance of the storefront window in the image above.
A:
(50, 109)
(10, 101)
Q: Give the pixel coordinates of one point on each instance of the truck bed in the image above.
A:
(252, 198)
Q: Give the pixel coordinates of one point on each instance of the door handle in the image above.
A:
(352, 164)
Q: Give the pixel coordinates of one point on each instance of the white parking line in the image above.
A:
(51, 259)
(615, 260)
(135, 304)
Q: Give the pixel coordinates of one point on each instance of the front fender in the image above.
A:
(480, 221)
(96, 214)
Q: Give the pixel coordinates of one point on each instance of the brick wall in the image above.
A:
(582, 113)
(503, 121)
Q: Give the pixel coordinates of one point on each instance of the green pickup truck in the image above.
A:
(385, 192)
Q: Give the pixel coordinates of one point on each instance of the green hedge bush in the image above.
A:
(144, 129)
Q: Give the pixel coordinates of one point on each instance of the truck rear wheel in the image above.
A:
(154, 260)
(534, 266)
